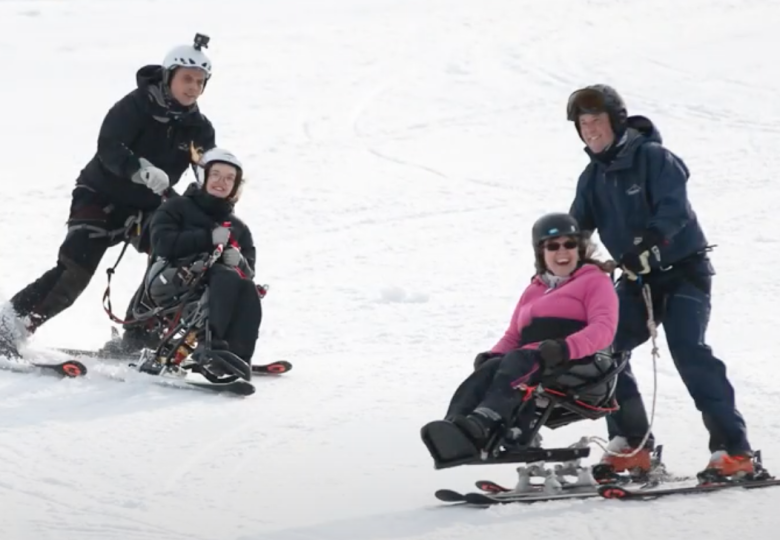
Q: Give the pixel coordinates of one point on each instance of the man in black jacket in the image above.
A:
(146, 143)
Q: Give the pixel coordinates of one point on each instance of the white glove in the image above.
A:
(232, 257)
(220, 235)
(152, 177)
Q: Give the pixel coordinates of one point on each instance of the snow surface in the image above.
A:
(398, 153)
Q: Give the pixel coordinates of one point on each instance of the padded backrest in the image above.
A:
(590, 380)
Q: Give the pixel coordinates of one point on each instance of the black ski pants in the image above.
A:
(235, 310)
(493, 385)
(681, 302)
(94, 226)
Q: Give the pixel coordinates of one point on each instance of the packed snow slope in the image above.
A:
(397, 153)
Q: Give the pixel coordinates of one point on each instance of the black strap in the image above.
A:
(107, 294)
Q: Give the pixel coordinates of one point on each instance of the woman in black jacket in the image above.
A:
(189, 227)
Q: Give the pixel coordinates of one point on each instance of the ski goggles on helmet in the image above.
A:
(585, 101)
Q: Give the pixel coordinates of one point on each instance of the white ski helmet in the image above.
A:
(220, 155)
(190, 56)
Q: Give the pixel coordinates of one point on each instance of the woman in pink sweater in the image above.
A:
(568, 314)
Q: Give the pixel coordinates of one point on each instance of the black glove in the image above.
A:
(483, 357)
(637, 261)
(554, 352)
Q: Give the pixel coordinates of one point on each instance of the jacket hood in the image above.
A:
(645, 128)
(150, 75)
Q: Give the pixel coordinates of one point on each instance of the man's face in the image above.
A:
(596, 131)
(187, 85)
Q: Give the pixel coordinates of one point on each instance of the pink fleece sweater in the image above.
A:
(588, 296)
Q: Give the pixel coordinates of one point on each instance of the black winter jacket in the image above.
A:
(146, 123)
(181, 228)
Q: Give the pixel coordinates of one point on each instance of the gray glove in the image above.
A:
(220, 235)
(232, 257)
(152, 177)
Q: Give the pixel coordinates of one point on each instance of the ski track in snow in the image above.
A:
(398, 153)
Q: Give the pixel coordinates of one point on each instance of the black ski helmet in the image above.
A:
(595, 99)
(553, 225)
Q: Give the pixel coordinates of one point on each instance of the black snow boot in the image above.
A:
(479, 426)
(459, 440)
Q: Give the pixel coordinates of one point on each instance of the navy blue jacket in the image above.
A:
(643, 187)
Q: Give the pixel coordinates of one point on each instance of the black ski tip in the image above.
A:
(239, 388)
(243, 388)
(235, 387)
(480, 499)
(449, 496)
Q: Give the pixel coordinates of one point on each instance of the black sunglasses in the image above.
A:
(555, 246)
